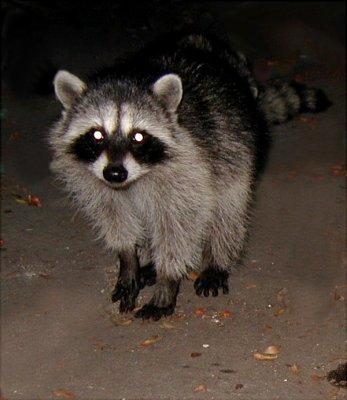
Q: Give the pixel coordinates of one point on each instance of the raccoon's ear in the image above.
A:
(169, 90)
(68, 88)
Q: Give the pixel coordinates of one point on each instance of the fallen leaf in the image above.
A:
(272, 350)
(30, 200)
(225, 314)
(279, 312)
(271, 63)
(251, 286)
(265, 357)
(150, 341)
(124, 322)
(338, 170)
(45, 275)
(12, 274)
(200, 311)
(200, 388)
(338, 296)
(20, 200)
(102, 346)
(281, 295)
(195, 354)
(317, 378)
(333, 392)
(64, 394)
(308, 119)
(34, 201)
(166, 325)
(14, 136)
(294, 368)
(131, 350)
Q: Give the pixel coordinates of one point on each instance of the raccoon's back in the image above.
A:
(218, 108)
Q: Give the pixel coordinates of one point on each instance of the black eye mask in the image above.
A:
(89, 146)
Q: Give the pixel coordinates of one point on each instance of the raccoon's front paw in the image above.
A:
(126, 292)
(211, 279)
(151, 311)
(148, 275)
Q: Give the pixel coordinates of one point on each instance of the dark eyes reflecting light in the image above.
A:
(98, 136)
(138, 137)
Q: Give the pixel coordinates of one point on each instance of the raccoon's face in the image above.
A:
(118, 139)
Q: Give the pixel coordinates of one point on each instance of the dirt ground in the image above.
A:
(61, 337)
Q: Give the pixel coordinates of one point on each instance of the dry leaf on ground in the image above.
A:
(251, 286)
(124, 322)
(317, 378)
(265, 357)
(294, 368)
(64, 394)
(281, 295)
(167, 325)
(150, 341)
(225, 314)
(200, 388)
(29, 199)
(34, 201)
(280, 312)
(272, 350)
(269, 354)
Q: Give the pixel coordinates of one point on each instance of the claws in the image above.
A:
(126, 292)
(151, 311)
(211, 280)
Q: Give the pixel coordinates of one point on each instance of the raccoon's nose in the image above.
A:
(115, 173)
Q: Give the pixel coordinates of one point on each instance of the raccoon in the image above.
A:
(160, 152)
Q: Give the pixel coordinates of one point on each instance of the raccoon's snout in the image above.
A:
(115, 173)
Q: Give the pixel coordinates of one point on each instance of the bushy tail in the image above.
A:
(283, 101)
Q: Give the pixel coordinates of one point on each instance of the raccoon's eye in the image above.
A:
(138, 137)
(98, 136)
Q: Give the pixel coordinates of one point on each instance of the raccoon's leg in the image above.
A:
(212, 278)
(226, 238)
(163, 301)
(148, 273)
(128, 285)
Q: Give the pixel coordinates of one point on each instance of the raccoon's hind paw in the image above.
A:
(211, 279)
(148, 276)
(151, 311)
(126, 292)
